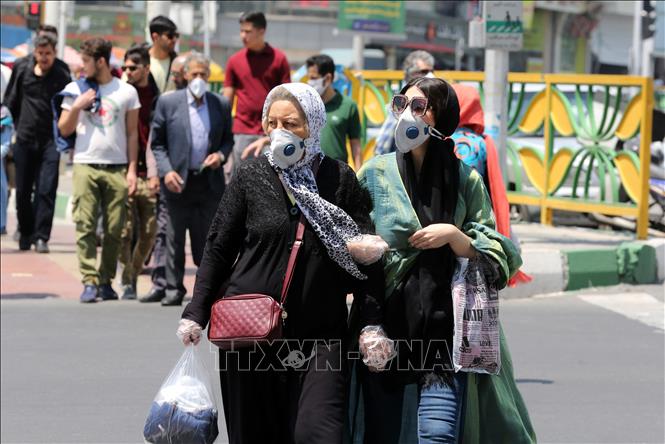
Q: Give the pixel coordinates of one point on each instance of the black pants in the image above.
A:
(285, 406)
(37, 165)
(193, 211)
(158, 275)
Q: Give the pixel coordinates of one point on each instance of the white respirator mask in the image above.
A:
(411, 132)
(198, 87)
(286, 148)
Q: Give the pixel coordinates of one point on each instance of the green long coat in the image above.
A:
(494, 409)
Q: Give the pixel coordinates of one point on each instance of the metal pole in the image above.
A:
(206, 29)
(459, 53)
(496, 102)
(62, 28)
(51, 10)
(647, 61)
(358, 51)
(636, 51)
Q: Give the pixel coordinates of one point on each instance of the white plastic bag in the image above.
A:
(184, 409)
(476, 309)
(367, 248)
(376, 347)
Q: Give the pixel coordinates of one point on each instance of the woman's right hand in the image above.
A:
(189, 332)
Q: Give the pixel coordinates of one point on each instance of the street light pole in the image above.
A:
(206, 31)
(496, 102)
(636, 50)
(358, 51)
(62, 28)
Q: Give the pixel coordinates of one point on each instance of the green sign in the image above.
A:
(372, 16)
(504, 27)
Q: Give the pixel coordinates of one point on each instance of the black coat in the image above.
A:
(255, 225)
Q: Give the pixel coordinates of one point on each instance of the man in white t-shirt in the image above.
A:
(105, 156)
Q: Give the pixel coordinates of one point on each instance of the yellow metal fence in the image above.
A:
(565, 137)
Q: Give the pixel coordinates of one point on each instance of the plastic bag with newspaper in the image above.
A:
(476, 309)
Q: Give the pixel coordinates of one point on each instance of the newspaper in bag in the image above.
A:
(476, 309)
(184, 410)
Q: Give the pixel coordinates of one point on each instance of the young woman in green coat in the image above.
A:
(431, 209)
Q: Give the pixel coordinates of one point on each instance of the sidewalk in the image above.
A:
(558, 258)
(30, 275)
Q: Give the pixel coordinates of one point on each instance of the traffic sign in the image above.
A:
(503, 25)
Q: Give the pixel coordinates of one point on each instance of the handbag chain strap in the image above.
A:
(300, 231)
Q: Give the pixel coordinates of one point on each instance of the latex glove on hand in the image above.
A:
(376, 347)
(189, 332)
(367, 249)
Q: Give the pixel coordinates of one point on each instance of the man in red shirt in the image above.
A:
(250, 74)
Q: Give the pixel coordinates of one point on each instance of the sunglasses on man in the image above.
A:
(130, 68)
(172, 35)
(401, 102)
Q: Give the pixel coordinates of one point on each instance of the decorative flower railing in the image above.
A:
(565, 134)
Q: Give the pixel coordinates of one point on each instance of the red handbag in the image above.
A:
(243, 320)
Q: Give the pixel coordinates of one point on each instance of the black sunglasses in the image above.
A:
(172, 35)
(130, 68)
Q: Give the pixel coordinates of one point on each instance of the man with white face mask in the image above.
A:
(191, 139)
(343, 120)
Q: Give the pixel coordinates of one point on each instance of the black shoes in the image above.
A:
(173, 300)
(155, 295)
(24, 244)
(41, 246)
(107, 293)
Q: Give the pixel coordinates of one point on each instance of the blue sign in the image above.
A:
(370, 26)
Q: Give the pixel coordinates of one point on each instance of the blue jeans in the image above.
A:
(440, 411)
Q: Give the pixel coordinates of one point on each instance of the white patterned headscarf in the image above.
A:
(333, 226)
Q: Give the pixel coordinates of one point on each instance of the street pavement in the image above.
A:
(589, 364)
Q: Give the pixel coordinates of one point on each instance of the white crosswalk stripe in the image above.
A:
(641, 307)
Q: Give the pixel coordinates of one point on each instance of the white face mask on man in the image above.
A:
(198, 87)
(318, 84)
(286, 148)
(411, 132)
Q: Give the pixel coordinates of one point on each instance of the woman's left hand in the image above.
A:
(434, 236)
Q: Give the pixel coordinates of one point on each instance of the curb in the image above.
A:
(637, 262)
